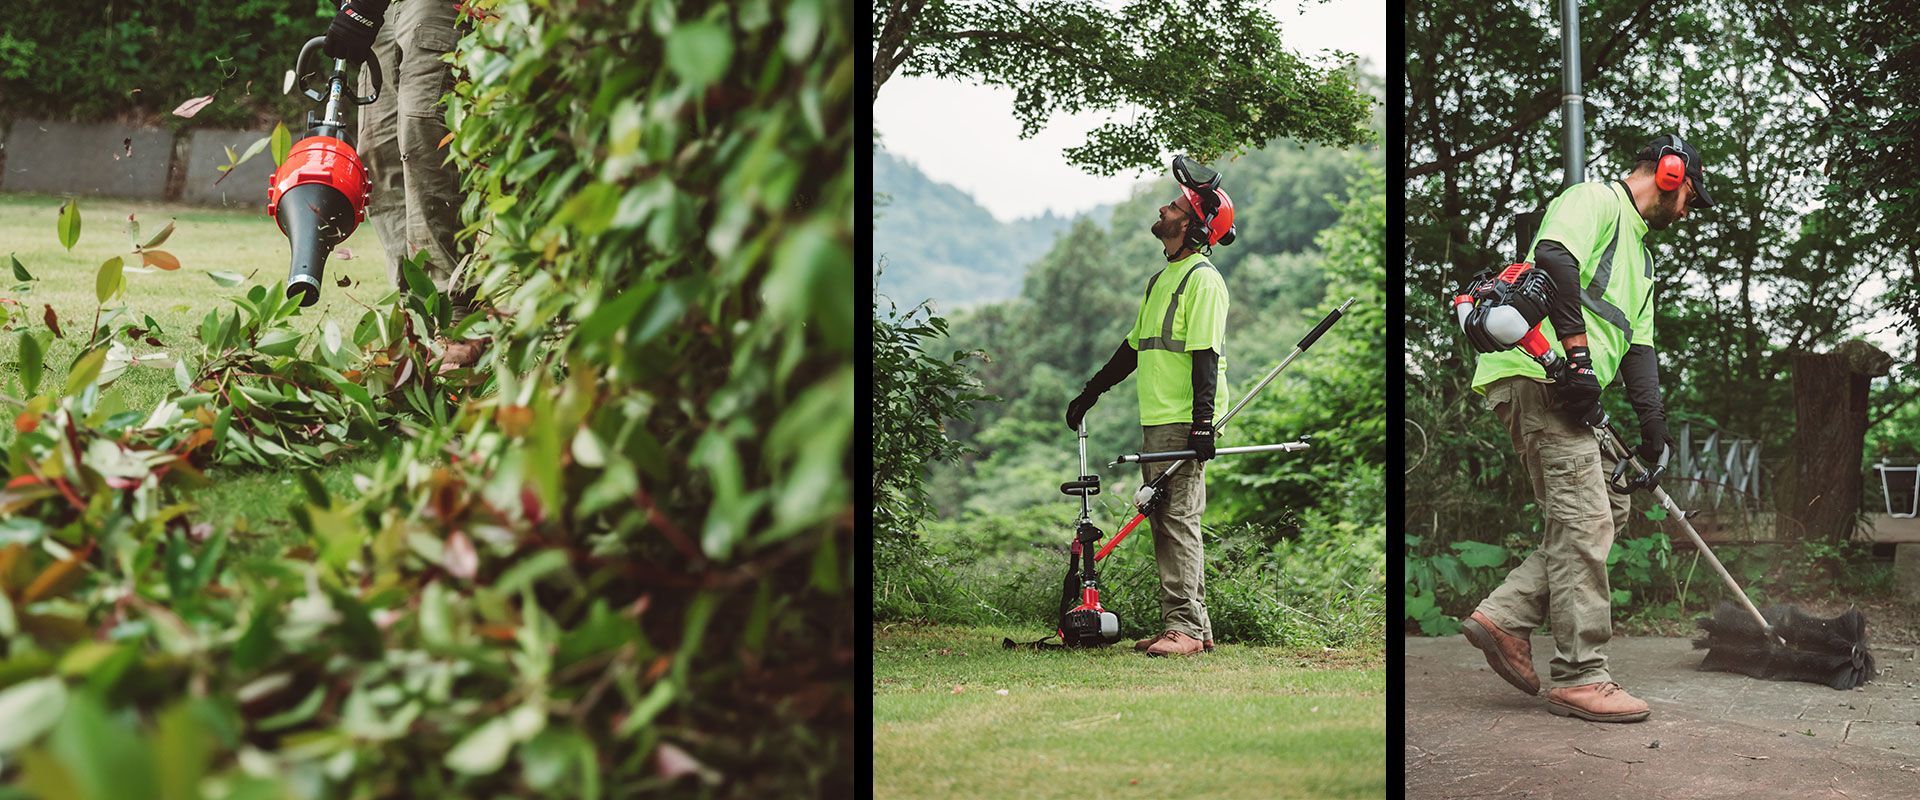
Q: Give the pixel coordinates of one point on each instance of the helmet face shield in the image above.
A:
(1207, 204)
(1194, 175)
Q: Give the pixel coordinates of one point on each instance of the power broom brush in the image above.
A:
(1783, 644)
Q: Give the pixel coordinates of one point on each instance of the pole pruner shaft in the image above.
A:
(1144, 498)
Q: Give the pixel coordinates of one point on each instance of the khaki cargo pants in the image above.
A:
(416, 194)
(1177, 548)
(1563, 583)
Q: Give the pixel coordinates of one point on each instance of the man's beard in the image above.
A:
(1165, 228)
(1665, 214)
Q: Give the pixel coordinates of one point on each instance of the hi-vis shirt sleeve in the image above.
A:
(1577, 219)
(1203, 312)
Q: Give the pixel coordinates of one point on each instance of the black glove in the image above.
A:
(1077, 407)
(1654, 440)
(1116, 370)
(1200, 440)
(351, 34)
(1577, 389)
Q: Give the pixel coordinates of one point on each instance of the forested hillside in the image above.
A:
(936, 242)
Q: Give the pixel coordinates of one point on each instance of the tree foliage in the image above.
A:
(89, 62)
(1210, 82)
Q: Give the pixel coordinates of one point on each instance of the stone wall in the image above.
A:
(106, 160)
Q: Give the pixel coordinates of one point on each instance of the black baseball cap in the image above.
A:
(1661, 146)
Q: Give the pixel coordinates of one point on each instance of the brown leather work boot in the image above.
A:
(1510, 654)
(1175, 643)
(1143, 644)
(1599, 702)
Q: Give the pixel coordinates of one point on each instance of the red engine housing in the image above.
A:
(325, 160)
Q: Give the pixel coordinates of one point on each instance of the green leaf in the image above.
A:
(159, 238)
(253, 150)
(20, 272)
(184, 748)
(108, 280)
(30, 709)
(32, 363)
(826, 566)
(484, 750)
(298, 714)
(1657, 513)
(282, 143)
(225, 278)
(279, 342)
(699, 52)
(1480, 554)
(69, 225)
(613, 316)
(86, 369)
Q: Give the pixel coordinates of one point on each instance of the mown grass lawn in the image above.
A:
(205, 240)
(1240, 722)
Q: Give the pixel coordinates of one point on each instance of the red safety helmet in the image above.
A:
(1212, 208)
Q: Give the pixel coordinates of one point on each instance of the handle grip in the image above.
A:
(1086, 486)
(339, 65)
(1332, 317)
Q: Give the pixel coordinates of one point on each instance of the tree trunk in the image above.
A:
(1821, 501)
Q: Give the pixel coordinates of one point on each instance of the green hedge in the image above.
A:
(138, 59)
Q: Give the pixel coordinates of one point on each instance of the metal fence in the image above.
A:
(1718, 470)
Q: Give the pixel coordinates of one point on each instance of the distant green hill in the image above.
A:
(934, 241)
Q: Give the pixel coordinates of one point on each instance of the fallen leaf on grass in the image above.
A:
(1001, 692)
(957, 688)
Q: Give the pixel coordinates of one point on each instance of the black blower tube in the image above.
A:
(316, 218)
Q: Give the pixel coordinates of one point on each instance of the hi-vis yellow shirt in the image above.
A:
(1185, 309)
(1599, 225)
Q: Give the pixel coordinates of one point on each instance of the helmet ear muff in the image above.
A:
(1670, 172)
(1671, 169)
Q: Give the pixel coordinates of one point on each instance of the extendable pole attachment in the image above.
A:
(1144, 498)
(1182, 455)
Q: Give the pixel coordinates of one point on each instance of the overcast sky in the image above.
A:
(967, 136)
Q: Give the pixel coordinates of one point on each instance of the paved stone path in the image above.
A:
(1712, 734)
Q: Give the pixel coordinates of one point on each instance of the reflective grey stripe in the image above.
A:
(1596, 290)
(1165, 340)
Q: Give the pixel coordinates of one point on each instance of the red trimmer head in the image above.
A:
(319, 194)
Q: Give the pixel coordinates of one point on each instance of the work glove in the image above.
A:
(351, 34)
(1654, 443)
(1200, 441)
(1654, 440)
(1077, 408)
(1577, 389)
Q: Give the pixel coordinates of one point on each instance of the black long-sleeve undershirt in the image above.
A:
(1564, 269)
(1206, 375)
(1640, 370)
(1117, 369)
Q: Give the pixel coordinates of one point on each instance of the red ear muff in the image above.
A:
(1670, 172)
